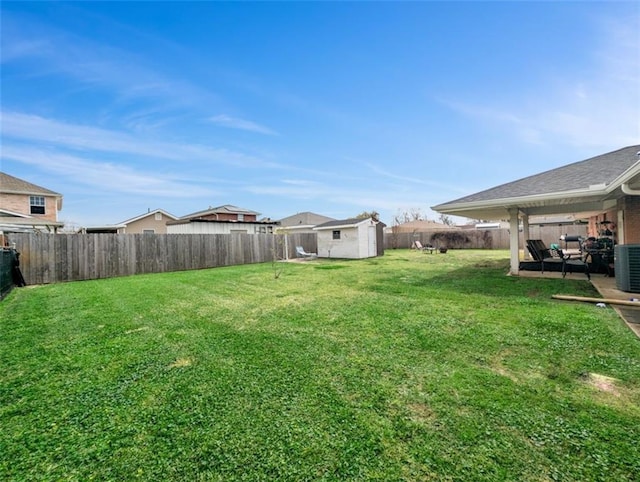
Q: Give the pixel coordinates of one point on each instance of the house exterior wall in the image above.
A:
(354, 243)
(295, 230)
(19, 203)
(219, 228)
(595, 226)
(630, 205)
(148, 223)
(228, 217)
(629, 231)
(346, 247)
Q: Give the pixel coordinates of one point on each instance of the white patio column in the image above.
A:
(525, 235)
(513, 241)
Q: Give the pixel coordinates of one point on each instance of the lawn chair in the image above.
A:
(537, 248)
(556, 255)
(418, 245)
(302, 253)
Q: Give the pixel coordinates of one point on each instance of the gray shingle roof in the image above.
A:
(341, 222)
(602, 169)
(305, 218)
(10, 184)
(227, 208)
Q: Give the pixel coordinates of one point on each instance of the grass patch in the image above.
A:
(406, 367)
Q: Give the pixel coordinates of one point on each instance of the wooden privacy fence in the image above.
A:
(481, 238)
(453, 239)
(54, 258)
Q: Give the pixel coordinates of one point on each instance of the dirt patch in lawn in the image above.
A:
(602, 383)
(181, 363)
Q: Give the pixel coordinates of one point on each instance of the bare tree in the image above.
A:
(444, 219)
(415, 214)
(375, 215)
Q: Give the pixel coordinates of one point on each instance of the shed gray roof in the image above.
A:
(342, 222)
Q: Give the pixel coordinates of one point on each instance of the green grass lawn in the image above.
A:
(406, 367)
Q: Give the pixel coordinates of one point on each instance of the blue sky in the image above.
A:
(330, 107)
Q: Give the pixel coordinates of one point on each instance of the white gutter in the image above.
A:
(592, 191)
(627, 176)
(628, 190)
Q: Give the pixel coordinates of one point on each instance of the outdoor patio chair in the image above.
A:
(418, 245)
(537, 248)
(301, 252)
(555, 255)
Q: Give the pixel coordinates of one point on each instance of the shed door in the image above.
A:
(372, 241)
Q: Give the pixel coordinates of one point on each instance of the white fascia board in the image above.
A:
(149, 214)
(12, 213)
(341, 226)
(518, 201)
(30, 222)
(625, 177)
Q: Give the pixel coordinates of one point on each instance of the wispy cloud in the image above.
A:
(122, 74)
(78, 137)
(404, 179)
(599, 110)
(107, 177)
(241, 124)
(369, 196)
(300, 182)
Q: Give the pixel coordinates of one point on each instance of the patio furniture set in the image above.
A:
(592, 256)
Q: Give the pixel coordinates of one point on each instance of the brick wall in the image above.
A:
(19, 203)
(631, 207)
(597, 229)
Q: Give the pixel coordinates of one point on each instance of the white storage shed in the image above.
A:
(349, 238)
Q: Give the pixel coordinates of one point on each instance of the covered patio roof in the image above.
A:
(582, 189)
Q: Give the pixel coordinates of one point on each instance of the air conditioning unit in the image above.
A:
(627, 265)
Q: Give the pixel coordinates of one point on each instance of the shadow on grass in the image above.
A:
(485, 278)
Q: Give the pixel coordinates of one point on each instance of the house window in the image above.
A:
(158, 217)
(37, 204)
(336, 235)
(148, 231)
(240, 217)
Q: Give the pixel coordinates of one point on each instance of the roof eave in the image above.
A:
(340, 226)
(499, 208)
(142, 216)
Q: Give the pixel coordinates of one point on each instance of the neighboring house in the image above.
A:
(350, 238)
(604, 189)
(27, 207)
(419, 227)
(302, 222)
(228, 212)
(227, 219)
(151, 222)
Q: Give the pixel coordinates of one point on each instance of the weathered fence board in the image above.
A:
(482, 239)
(53, 258)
